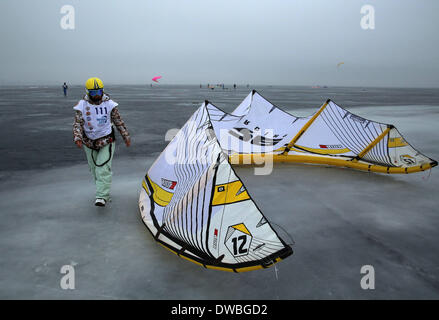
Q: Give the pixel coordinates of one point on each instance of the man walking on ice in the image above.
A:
(65, 87)
(93, 131)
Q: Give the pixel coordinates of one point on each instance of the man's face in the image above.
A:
(96, 98)
(96, 95)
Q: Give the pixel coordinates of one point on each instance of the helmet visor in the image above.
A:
(95, 92)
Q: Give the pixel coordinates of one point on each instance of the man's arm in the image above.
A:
(120, 125)
(77, 132)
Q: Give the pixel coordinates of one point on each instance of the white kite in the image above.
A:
(195, 205)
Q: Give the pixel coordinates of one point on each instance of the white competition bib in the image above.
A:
(97, 118)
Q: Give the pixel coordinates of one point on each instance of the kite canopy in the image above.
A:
(332, 136)
(194, 204)
(156, 78)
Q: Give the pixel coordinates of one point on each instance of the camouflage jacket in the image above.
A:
(116, 119)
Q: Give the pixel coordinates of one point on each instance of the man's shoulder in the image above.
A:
(109, 101)
(79, 105)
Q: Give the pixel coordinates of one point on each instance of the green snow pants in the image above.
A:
(99, 163)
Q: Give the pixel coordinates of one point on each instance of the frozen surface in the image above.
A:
(340, 219)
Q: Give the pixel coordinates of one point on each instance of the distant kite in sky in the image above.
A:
(339, 64)
(156, 78)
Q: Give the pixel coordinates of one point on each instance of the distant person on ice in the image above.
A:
(65, 87)
(92, 128)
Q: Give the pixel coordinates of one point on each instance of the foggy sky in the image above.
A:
(276, 42)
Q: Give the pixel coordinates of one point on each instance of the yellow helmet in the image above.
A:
(94, 84)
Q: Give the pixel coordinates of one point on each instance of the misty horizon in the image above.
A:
(288, 43)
